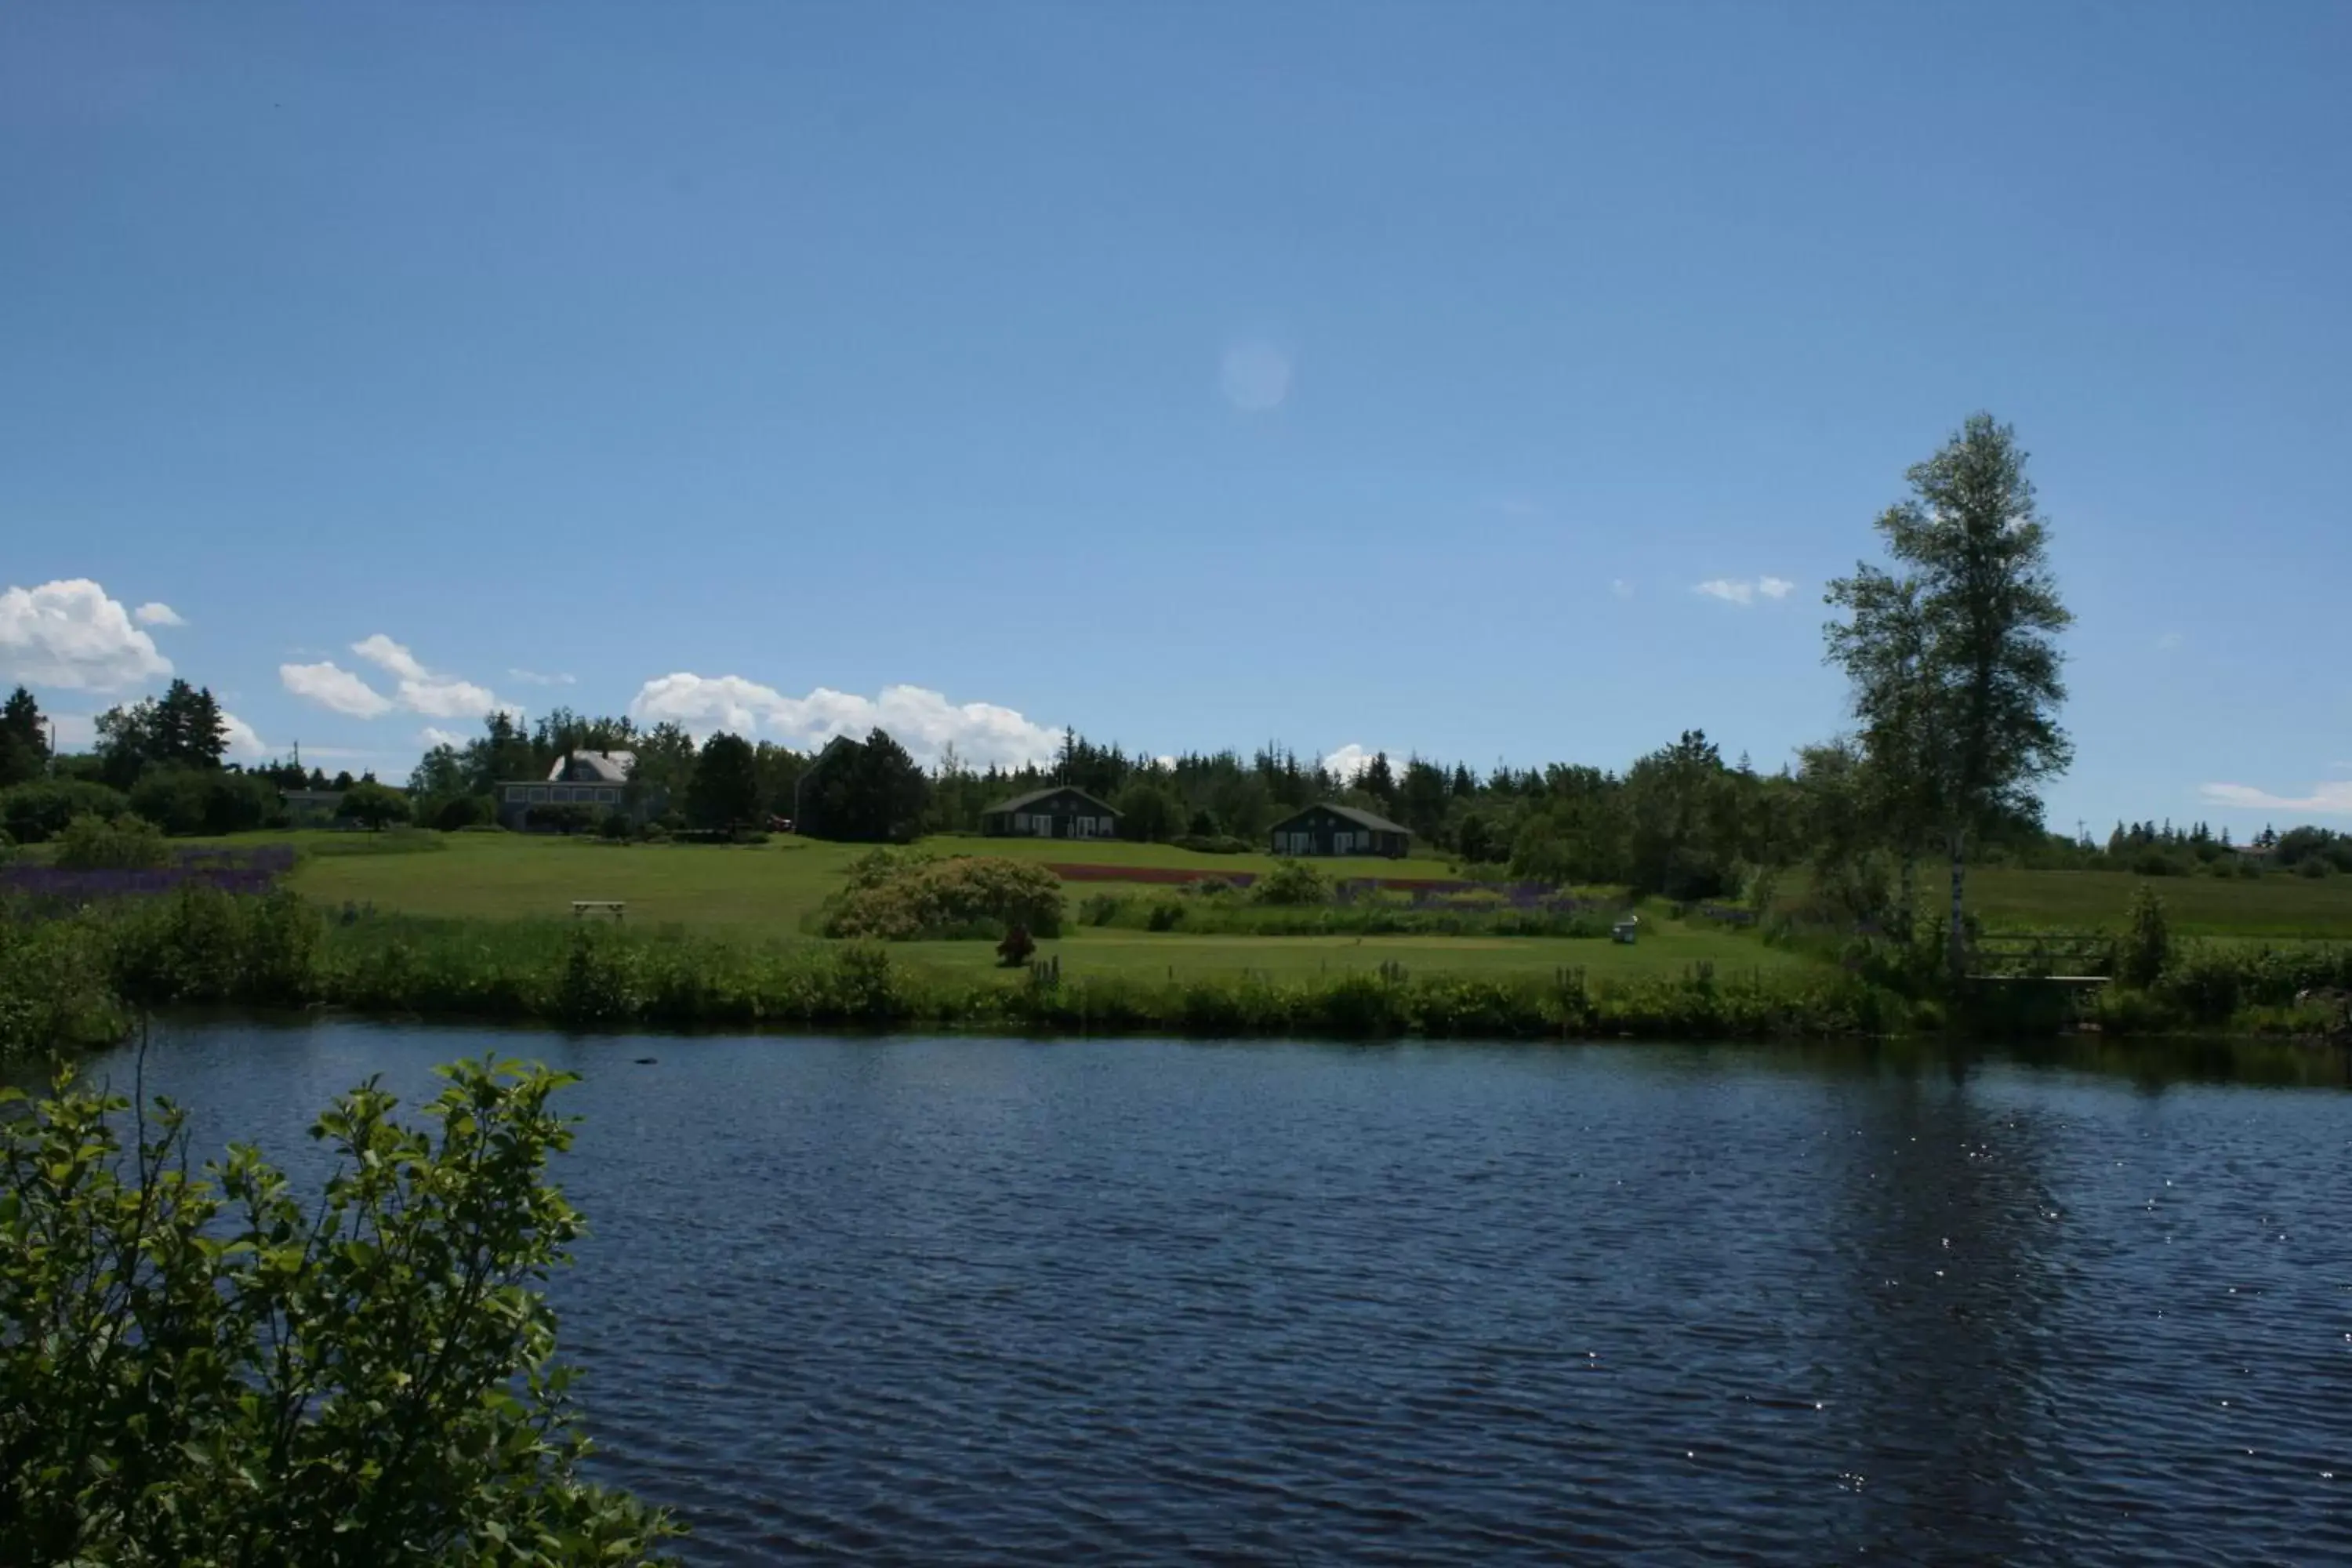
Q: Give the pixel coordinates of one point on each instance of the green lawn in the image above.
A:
(771, 887)
(1664, 948)
(2276, 906)
(764, 889)
(770, 891)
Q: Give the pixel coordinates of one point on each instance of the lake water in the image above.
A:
(982, 1300)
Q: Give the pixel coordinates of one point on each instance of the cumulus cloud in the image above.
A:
(421, 690)
(2333, 799)
(1744, 590)
(922, 721)
(532, 678)
(1349, 760)
(333, 687)
(390, 656)
(70, 634)
(155, 612)
(2169, 641)
(434, 735)
(244, 744)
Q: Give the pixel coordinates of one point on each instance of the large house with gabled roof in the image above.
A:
(1330, 829)
(597, 781)
(1061, 811)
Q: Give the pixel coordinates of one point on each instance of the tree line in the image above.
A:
(1949, 647)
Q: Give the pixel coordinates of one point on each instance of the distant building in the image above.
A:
(1341, 830)
(597, 780)
(1061, 812)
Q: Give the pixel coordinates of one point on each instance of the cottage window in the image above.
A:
(538, 794)
(518, 792)
(608, 797)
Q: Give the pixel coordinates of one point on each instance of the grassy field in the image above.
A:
(773, 886)
(2276, 906)
(771, 891)
(1665, 949)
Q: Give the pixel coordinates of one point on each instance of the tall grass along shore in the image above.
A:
(78, 978)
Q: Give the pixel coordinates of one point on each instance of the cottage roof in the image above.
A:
(592, 767)
(1023, 801)
(1377, 823)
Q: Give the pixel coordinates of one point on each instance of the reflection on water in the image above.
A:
(981, 1301)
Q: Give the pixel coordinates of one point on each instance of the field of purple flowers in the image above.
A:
(242, 870)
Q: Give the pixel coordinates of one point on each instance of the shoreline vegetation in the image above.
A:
(1864, 890)
(79, 979)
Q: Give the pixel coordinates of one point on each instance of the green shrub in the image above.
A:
(122, 844)
(1294, 883)
(909, 900)
(37, 812)
(226, 1372)
(565, 819)
(182, 801)
(459, 812)
(1214, 844)
(373, 805)
(2146, 950)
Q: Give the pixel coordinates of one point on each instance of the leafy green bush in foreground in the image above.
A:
(207, 1368)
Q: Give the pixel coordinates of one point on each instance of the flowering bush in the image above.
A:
(915, 899)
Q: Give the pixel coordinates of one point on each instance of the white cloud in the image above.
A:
(1744, 590)
(70, 635)
(922, 721)
(432, 735)
(2169, 641)
(244, 744)
(532, 678)
(1349, 760)
(156, 614)
(2332, 798)
(390, 656)
(1622, 588)
(334, 686)
(447, 698)
(419, 690)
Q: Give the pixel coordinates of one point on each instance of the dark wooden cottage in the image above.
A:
(1341, 830)
(1061, 812)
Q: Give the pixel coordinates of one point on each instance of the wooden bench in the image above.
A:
(615, 907)
(2024, 954)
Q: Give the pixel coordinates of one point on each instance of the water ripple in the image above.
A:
(993, 1301)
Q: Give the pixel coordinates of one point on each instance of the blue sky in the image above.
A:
(1194, 374)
